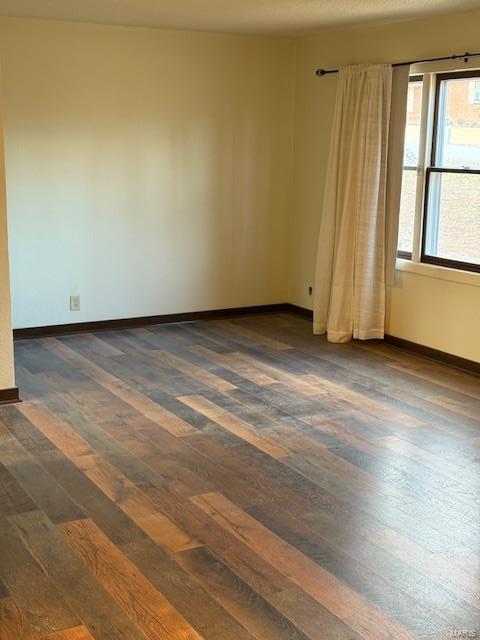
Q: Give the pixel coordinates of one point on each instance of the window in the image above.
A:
(474, 92)
(445, 205)
(410, 167)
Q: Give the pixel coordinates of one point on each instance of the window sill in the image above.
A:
(439, 273)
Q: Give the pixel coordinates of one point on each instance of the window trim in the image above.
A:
(437, 272)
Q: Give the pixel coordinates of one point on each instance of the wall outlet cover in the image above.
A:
(74, 303)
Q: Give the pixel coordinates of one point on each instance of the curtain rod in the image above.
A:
(464, 56)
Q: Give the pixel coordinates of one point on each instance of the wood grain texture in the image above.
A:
(78, 589)
(237, 479)
(232, 423)
(251, 610)
(324, 587)
(34, 591)
(117, 487)
(148, 608)
(125, 392)
(13, 624)
(77, 633)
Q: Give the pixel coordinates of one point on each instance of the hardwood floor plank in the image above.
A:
(13, 624)
(406, 449)
(461, 558)
(252, 336)
(13, 498)
(203, 375)
(41, 603)
(187, 595)
(320, 584)
(384, 508)
(409, 596)
(78, 633)
(42, 489)
(250, 609)
(243, 369)
(442, 376)
(113, 484)
(309, 616)
(233, 424)
(259, 574)
(94, 503)
(141, 403)
(470, 408)
(95, 607)
(457, 581)
(4, 593)
(146, 606)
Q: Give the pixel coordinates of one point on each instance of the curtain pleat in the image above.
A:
(396, 143)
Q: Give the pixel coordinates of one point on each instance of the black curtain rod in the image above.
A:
(464, 56)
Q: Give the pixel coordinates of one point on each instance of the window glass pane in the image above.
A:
(407, 210)
(412, 131)
(458, 125)
(474, 91)
(453, 222)
(410, 160)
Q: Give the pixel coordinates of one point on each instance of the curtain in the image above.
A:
(396, 143)
(359, 227)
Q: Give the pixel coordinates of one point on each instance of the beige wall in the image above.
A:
(148, 171)
(441, 314)
(7, 377)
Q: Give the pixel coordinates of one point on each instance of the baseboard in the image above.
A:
(419, 349)
(9, 396)
(435, 354)
(129, 323)
(308, 313)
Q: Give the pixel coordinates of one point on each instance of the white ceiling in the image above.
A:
(240, 16)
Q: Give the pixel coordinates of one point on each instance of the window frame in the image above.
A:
(408, 255)
(432, 82)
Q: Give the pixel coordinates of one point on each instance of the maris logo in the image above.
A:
(465, 633)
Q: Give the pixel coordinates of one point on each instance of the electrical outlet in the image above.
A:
(74, 303)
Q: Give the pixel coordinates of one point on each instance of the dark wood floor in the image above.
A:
(238, 479)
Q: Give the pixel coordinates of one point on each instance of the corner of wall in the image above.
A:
(7, 375)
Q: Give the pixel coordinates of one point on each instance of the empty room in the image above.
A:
(239, 319)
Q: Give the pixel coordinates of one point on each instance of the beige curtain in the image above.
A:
(359, 227)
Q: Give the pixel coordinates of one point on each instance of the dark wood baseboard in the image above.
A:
(434, 354)
(308, 313)
(9, 396)
(129, 323)
(419, 349)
